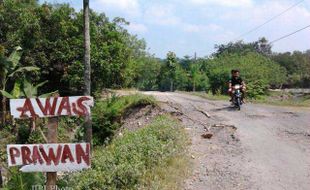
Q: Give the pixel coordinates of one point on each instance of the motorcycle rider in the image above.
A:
(234, 80)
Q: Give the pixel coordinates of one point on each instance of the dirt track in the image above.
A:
(269, 149)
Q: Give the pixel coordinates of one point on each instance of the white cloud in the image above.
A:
(225, 3)
(250, 18)
(137, 28)
(290, 21)
(161, 15)
(212, 21)
(199, 28)
(129, 7)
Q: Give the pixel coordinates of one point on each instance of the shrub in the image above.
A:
(23, 181)
(258, 71)
(256, 89)
(128, 161)
(107, 114)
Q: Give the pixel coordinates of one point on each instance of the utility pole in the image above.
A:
(87, 69)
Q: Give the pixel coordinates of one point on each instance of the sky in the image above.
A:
(189, 26)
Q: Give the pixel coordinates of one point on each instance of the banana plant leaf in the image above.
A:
(48, 94)
(22, 69)
(15, 56)
(29, 90)
(7, 95)
(17, 91)
(40, 84)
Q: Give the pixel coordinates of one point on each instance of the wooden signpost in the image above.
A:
(49, 157)
(51, 107)
(52, 157)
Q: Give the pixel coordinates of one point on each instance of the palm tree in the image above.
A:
(87, 69)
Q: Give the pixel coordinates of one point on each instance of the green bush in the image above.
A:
(23, 181)
(259, 72)
(107, 114)
(127, 161)
(256, 89)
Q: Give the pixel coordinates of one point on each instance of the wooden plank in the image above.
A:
(51, 177)
(49, 157)
(51, 107)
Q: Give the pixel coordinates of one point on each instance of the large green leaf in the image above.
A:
(29, 89)
(15, 56)
(16, 92)
(48, 94)
(22, 69)
(40, 84)
(6, 94)
(32, 91)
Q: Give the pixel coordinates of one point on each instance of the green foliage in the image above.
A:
(69, 128)
(258, 71)
(6, 137)
(261, 46)
(256, 89)
(199, 79)
(23, 132)
(181, 79)
(10, 67)
(148, 71)
(26, 89)
(23, 181)
(52, 39)
(297, 65)
(107, 114)
(186, 74)
(127, 161)
(168, 72)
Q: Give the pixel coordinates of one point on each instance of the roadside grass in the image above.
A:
(279, 98)
(108, 113)
(153, 157)
(272, 98)
(302, 102)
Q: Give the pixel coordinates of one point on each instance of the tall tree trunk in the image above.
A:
(171, 85)
(87, 69)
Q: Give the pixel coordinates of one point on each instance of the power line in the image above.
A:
(289, 34)
(269, 20)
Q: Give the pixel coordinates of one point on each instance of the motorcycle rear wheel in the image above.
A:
(238, 104)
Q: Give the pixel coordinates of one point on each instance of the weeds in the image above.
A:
(139, 160)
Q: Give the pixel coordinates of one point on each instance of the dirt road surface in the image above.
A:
(260, 147)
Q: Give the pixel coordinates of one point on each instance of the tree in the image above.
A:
(258, 71)
(171, 64)
(10, 68)
(297, 65)
(181, 81)
(52, 39)
(261, 46)
(87, 69)
(195, 75)
(148, 71)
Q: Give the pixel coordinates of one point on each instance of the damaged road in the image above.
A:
(260, 147)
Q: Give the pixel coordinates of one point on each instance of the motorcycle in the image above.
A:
(237, 96)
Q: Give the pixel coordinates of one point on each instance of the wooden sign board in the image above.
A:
(49, 157)
(51, 107)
